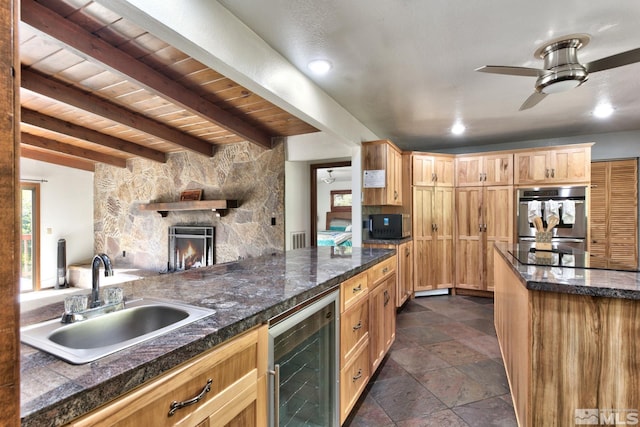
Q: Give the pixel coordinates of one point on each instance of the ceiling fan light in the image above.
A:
(560, 86)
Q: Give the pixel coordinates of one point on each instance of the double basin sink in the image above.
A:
(91, 339)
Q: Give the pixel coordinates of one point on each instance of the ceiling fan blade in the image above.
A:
(532, 100)
(511, 71)
(613, 61)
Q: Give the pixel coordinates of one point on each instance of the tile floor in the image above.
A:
(444, 369)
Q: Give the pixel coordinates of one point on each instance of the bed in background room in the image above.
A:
(338, 230)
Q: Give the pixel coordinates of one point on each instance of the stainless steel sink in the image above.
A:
(94, 338)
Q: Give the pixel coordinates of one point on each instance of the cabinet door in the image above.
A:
(405, 273)
(533, 167)
(470, 223)
(394, 194)
(445, 171)
(442, 263)
(571, 164)
(423, 242)
(498, 169)
(389, 312)
(469, 171)
(499, 217)
(424, 170)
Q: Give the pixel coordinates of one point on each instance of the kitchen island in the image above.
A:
(569, 336)
(243, 294)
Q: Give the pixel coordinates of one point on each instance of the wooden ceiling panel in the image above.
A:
(101, 83)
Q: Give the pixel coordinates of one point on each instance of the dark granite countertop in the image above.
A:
(243, 294)
(598, 282)
(387, 241)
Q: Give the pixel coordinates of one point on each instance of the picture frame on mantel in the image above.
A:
(191, 195)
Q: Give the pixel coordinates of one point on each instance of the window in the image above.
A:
(341, 201)
(30, 237)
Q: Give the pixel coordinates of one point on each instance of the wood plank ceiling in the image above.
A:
(98, 88)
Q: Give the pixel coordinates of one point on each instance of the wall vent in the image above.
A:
(298, 240)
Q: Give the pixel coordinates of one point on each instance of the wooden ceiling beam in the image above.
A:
(93, 48)
(71, 150)
(75, 97)
(43, 121)
(56, 158)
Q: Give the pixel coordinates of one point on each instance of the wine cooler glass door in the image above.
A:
(303, 363)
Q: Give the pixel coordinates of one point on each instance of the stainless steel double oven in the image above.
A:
(571, 231)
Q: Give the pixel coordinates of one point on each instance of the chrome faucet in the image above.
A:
(95, 278)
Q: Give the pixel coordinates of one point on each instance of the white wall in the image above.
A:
(66, 211)
(297, 200)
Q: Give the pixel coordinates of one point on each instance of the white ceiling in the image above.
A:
(405, 68)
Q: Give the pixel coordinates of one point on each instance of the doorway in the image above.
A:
(314, 168)
(29, 237)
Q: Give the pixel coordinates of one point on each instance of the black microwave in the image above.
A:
(389, 226)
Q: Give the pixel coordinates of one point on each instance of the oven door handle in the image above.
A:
(276, 394)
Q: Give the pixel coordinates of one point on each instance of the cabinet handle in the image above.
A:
(179, 405)
(276, 393)
(358, 326)
(433, 177)
(546, 173)
(386, 298)
(480, 228)
(436, 225)
(358, 375)
(384, 270)
(484, 176)
(395, 194)
(553, 173)
(357, 288)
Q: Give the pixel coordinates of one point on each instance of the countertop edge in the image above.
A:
(578, 287)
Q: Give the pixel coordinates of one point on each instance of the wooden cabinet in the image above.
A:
(367, 328)
(404, 269)
(234, 373)
(558, 165)
(484, 215)
(613, 218)
(484, 170)
(382, 312)
(432, 238)
(382, 174)
(432, 170)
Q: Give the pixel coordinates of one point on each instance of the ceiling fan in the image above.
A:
(562, 71)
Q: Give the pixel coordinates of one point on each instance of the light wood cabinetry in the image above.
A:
(404, 269)
(381, 157)
(614, 211)
(367, 328)
(565, 352)
(234, 373)
(484, 216)
(431, 170)
(382, 310)
(558, 165)
(484, 170)
(432, 238)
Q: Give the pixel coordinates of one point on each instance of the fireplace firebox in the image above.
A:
(191, 246)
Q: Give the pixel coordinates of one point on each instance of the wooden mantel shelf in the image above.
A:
(218, 206)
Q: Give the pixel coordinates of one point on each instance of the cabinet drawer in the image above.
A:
(354, 328)
(353, 379)
(380, 271)
(232, 368)
(353, 290)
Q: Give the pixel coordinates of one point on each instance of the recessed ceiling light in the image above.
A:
(319, 66)
(603, 110)
(458, 128)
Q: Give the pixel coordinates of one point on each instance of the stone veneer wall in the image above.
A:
(242, 171)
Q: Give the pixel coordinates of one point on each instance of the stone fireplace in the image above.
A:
(191, 246)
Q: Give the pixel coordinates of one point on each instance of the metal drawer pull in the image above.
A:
(179, 405)
(358, 326)
(357, 288)
(384, 270)
(358, 375)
